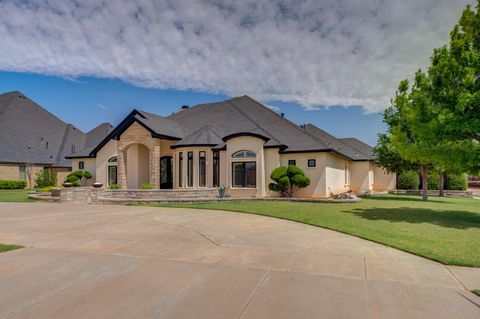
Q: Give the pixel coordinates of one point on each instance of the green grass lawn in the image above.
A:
(4, 248)
(443, 229)
(14, 195)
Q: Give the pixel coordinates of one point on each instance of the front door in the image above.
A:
(166, 172)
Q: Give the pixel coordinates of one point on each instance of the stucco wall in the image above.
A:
(89, 165)
(360, 176)
(382, 180)
(104, 154)
(138, 165)
(272, 161)
(317, 187)
(336, 179)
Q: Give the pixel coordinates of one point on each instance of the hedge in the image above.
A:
(433, 181)
(408, 180)
(13, 184)
(456, 182)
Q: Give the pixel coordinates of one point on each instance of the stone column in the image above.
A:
(155, 166)
(121, 169)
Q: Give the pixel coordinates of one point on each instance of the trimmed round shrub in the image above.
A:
(456, 182)
(278, 173)
(72, 178)
(408, 180)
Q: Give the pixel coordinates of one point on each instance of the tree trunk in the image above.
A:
(424, 183)
(441, 180)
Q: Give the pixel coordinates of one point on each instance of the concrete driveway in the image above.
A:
(141, 262)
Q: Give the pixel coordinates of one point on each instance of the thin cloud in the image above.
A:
(310, 52)
(103, 107)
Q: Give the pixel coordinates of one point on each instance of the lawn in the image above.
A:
(444, 229)
(4, 248)
(14, 195)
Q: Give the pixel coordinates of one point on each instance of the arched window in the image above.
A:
(112, 171)
(244, 154)
(112, 159)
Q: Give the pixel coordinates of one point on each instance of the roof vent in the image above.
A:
(282, 114)
(185, 107)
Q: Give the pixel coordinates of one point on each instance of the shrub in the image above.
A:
(47, 189)
(433, 180)
(12, 184)
(87, 175)
(44, 178)
(114, 186)
(456, 182)
(146, 186)
(287, 180)
(73, 179)
(408, 180)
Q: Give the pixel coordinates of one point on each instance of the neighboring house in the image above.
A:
(31, 139)
(236, 143)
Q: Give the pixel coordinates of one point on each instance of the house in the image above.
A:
(236, 143)
(31, 139)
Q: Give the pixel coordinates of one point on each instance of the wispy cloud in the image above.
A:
(103, 107)
(311, 52)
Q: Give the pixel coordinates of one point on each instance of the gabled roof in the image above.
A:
(30, 134)
(360, 146)
(212, 124)
(336, 145)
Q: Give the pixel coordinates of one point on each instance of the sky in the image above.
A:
(333, 63)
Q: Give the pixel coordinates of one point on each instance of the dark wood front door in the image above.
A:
(166, 172)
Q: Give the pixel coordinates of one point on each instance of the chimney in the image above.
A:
(185, 107)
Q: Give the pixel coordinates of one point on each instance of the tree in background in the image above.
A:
(436, 122)
(287, 180)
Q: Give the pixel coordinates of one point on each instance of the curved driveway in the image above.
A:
(143, 262)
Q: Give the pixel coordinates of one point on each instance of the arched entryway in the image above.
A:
(137, 165)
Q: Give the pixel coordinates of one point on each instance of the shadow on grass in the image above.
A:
(444, 218)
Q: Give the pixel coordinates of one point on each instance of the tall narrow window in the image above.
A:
(292, 162)
(190, 169)
(216, 169)
(180, 169)
(201, 169)
(346, 175)
(21, 173)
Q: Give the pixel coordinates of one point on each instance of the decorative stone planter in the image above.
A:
(67, 184)
(97, 185)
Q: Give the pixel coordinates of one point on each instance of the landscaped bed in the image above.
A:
(443, 229)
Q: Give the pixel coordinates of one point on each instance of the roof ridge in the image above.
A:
(276, 114)
(270, 135)
(316, 138)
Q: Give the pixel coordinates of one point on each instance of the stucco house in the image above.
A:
(235, 143)
(31, 139)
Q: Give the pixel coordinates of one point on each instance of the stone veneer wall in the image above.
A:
(137, 134)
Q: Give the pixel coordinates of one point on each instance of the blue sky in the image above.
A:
(298, 56)
(87, 102)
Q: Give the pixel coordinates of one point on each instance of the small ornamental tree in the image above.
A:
(287, 180)
(44, 178)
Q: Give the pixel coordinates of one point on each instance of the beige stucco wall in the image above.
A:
(138, 165)
(101, 161)
(89, 165)
(360, 176)
(317, 174)
(272, 161)
(336, 174)
(382, 180)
